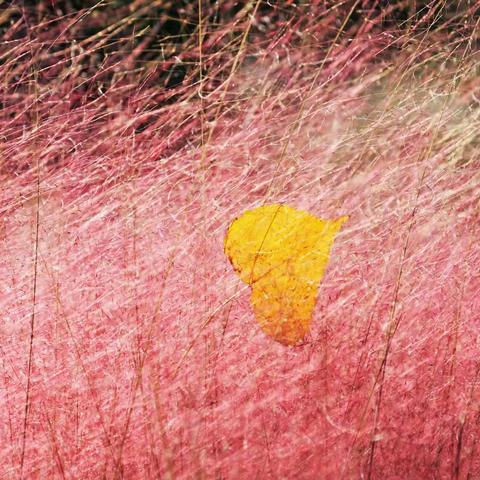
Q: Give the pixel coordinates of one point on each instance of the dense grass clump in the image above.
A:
(133, 133)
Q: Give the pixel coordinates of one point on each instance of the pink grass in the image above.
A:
(146, 360)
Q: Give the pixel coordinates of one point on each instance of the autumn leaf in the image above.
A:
(282, 254)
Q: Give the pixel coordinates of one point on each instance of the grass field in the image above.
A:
(133, 133)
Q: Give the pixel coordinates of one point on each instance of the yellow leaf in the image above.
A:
(281, 253)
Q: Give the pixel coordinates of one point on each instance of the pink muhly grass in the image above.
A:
(128, 346)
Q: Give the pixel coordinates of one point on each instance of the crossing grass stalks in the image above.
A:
(131, 135)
